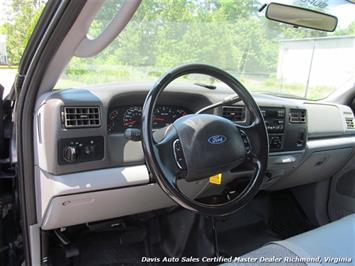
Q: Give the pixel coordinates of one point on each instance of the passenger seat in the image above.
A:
(333, 243)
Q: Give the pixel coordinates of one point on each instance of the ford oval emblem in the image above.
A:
(217, 139)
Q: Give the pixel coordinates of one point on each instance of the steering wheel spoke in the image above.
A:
(254, 145)
(171, 154)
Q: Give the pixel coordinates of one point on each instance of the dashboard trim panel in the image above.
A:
(121, 175)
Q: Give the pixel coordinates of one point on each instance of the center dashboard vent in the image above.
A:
(234, 113)
(298, 116)
(79, 116)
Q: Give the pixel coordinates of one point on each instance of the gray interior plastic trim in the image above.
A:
(330, 143)
(118, 189)
(49, 186)
(313, 199)
(67, 49)
(326, 119)
(118, 150)
(101, 205)
(317, 165)
(91, 47)
(34, 235)
(340, 204)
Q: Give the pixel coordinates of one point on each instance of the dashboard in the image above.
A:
(88, 170)
(122, 117)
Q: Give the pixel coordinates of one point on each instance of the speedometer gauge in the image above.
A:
(161, 117)
(132, 118)
(166, 115)
(123, 117)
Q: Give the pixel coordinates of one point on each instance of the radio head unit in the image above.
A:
(274, 118)
(286, 128)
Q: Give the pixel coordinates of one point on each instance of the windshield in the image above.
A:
(264, 55)
(17, 22)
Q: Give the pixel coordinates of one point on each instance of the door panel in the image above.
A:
(1, 122)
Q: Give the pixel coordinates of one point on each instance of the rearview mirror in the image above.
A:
(301, 17)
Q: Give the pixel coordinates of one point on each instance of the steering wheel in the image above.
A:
(198, 146)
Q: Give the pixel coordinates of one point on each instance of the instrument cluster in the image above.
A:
(121, 118)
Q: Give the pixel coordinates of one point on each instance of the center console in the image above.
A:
(274, 118)
(286, 128)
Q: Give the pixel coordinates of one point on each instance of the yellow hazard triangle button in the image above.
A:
(216, 179)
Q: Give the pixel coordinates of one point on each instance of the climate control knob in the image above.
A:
(70, 153)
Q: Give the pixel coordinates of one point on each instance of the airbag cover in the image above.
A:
(211, 144)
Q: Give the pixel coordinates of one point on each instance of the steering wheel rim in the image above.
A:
(161, 169)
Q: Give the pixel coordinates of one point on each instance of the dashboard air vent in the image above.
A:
(297, 116)
(349, 123)
(234, 113)
(77, 117)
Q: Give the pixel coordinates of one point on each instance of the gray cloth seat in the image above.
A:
(330, 244)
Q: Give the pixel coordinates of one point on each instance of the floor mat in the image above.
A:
(107, 249)
(241, 240)
(287, 218)
(269, 217)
